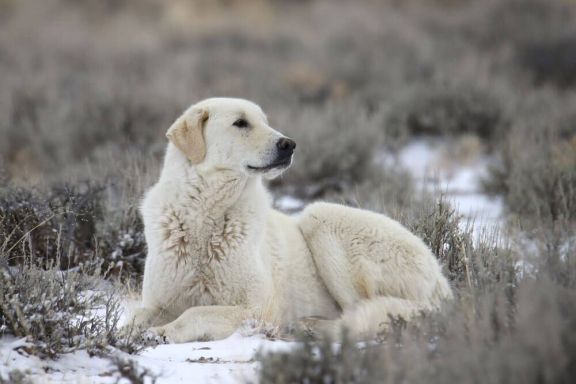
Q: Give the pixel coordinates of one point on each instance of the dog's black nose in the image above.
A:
(285, 146)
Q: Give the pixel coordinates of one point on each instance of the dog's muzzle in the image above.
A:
(285, 149)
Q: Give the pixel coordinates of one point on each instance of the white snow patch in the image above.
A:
(231, 360)
(288, 203)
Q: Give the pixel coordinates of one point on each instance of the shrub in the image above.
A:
(60, 228)
(129, 370)
(447, 112)
(537, 174)
(551, 61)
(451, 240)
(60, 311)
(69, 227)
(320, 362)
(515, 22)
(336, 149)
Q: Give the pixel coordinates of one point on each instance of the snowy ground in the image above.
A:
(225, 361)
(432, 163)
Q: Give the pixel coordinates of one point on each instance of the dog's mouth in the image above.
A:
(283, 163)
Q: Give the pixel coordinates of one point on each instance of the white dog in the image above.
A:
(219, 254)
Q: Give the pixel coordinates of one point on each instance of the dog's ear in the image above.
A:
(187, 134)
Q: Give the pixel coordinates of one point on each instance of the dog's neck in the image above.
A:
(176, 166)
(225, 186)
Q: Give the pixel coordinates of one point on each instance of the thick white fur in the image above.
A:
(219, 254)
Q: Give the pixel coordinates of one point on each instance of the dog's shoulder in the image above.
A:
(166, 197)
(155, 197)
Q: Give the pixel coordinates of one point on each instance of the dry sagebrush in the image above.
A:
(59, 312)
(51, 272)
(68, 226)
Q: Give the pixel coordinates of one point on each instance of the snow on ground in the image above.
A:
(74, 367)
(433, 166)
(224, 361)
(288, 204)
(229, 361)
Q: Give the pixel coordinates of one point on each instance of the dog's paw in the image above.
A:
(318, 327)
(154, 336)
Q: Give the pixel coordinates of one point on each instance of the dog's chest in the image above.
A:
(228, 236)
(212, 257)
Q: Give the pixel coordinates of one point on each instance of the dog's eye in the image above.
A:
(241, 123)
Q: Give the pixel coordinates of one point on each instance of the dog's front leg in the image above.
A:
(203, 323)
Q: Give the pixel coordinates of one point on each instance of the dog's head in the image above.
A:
(227, 133)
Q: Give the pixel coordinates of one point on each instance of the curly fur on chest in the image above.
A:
(226, 236)
(208, 250)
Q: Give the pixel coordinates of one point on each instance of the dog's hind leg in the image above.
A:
(365, 320)
(374, 268)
